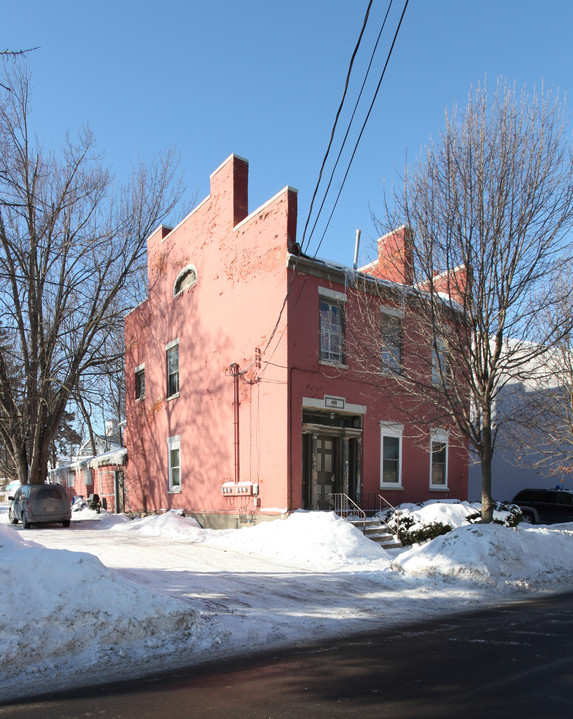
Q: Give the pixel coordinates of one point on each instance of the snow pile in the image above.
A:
(453, 512)
(532, 557)
(420, 522)
(102, 520)
(320, 540)
(315, 539)
(65, 609)
(189, 594)
(171, 525)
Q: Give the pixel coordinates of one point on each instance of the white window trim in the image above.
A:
(168, 346)
(336, 297)
(174, 443)
(185, 271)
(440, 369)
(136, 371)
(439, 435)
(398, 314)
(391, 429)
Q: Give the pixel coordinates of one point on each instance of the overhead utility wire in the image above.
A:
(338, 113)
(348, 128)
(354, 53)
(350, 161)
(363, 127)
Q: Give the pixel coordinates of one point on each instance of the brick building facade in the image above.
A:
(243, 399)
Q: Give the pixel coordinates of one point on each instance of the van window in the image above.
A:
(48, 492)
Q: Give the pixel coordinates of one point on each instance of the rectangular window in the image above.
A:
(391, 341)
(391, 454)
(174, 449)
(439, 460)
(172, 368)
(439, 363)
(331, 320)
(140, 382)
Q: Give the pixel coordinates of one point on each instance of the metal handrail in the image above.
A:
(380, 497)
(344, 506)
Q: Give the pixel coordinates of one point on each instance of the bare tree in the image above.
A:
(69, 239)
(486, 209)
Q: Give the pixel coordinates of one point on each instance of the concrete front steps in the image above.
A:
(377, 532)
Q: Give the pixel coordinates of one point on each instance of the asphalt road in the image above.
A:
(512, 661)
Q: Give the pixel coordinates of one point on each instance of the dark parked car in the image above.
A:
(40, 503)
(545, 506)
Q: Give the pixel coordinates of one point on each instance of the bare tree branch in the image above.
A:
(488, 206)
(70, 239)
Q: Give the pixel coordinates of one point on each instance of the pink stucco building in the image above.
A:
(243, 399)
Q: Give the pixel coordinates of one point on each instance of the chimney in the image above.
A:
(395, 257)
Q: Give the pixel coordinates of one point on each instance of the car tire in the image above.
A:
(12, 518)
(25, 523)
(528, 518)
(66, 523)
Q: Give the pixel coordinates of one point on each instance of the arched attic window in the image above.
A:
(186, 278)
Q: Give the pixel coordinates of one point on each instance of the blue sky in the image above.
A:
(264, 80)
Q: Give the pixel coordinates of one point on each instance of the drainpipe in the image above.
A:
(236, 403)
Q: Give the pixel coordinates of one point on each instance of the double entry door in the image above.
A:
(330, 465)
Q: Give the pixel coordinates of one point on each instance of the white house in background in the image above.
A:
(510, 473)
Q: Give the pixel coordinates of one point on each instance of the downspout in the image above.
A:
(236, 404)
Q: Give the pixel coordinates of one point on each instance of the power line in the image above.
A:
(338, 113)
(363, 126)
(347, 131)
(365, 21)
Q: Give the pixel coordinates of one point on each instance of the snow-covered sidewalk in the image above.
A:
(112, 598)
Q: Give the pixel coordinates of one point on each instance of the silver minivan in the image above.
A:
(40, 503)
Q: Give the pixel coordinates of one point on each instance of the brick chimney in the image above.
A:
(395, 257)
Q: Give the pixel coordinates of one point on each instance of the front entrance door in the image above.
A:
(326, 471)
(331, 457)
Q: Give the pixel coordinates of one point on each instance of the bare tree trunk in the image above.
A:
(69, 241)
(489, 206)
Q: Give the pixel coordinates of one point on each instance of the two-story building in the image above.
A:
(244, 401)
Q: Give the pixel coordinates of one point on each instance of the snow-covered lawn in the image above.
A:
(111, 598)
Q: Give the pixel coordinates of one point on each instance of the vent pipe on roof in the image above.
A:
(356, 247)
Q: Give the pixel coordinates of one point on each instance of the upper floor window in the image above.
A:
(440, 369)
(331, 325)
(439, 459)
(140, 382)
(186, 278)
(391, 340)
(172, 350)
